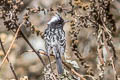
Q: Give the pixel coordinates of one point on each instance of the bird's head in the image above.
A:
(56, 21)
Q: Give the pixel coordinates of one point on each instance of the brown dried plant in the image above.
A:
(97, 16)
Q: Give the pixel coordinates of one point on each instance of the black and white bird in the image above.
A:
(55, 41)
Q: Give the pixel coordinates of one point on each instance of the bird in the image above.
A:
(55, 41)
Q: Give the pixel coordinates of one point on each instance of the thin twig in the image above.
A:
(37, 53)
(10, 64)
(100, 54)
(109, 53)
(8, 51)
(72, 70)
(105, 44)
(79, 75)
(113, 66)
(44, 53)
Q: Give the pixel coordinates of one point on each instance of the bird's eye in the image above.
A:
(59, 22)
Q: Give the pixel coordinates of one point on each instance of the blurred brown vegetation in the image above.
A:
(84, 39)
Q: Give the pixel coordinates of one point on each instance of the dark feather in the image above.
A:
(55, 40)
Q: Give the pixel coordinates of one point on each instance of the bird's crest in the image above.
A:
(55, 18)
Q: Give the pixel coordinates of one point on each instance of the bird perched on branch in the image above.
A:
(54, 37)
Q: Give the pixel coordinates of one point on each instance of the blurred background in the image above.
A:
(28, 64)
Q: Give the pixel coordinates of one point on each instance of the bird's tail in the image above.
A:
(59, 65)
(58, 60)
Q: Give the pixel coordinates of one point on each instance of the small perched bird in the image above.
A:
(54, 37)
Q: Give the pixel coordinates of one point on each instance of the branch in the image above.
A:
(39, 56)
(10, 64)
(8, 51)
(100, 54)
(71, 69)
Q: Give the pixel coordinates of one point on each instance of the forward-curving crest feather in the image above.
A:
(54, 18)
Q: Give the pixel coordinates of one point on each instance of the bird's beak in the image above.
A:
(66, 21)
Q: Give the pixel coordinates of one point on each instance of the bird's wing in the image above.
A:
(47, 41)
(62, 42)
